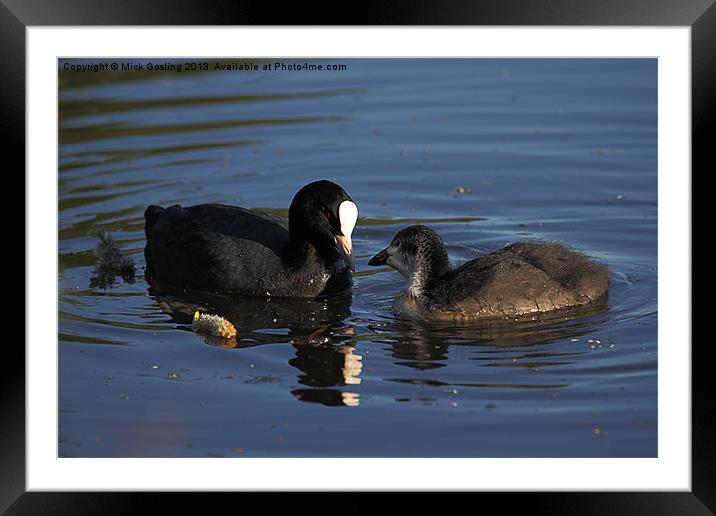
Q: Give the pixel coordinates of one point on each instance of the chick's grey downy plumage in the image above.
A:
(522, 278)
(220, 248)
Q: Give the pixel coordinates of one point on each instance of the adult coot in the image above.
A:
(220, 248)
(522, 278)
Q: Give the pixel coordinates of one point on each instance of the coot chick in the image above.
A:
(220, 248)
(522, 278)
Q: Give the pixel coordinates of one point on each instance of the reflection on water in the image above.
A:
(322, 339)
(71, 108)
(428, 346)
(74, 135)
(325, 366)
(260, 320)
(487, 152)
(317, 332)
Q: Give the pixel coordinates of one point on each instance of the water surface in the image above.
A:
(487, 152)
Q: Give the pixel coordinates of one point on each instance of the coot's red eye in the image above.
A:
(329, 215)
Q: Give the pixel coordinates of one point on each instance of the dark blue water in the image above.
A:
(487, 152)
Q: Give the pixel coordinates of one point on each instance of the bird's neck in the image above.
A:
(418, 283)
(430, 267)
(300, 252)
(308, 238)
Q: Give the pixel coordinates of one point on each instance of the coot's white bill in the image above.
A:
(347, 217)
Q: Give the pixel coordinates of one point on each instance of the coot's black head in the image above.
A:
(417, 252)
(323, 214)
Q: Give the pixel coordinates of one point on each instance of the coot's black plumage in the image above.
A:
(220, 248)
(522, 278)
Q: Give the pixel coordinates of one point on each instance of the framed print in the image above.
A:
(328, 258)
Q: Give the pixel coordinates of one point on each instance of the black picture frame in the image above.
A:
(700, 15)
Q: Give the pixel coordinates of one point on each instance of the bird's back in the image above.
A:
(214, 247)
(526, 277)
